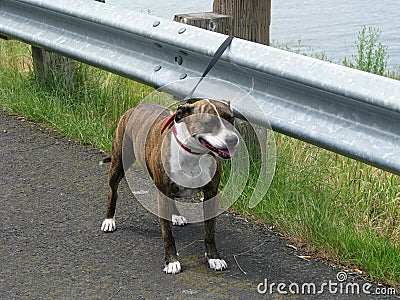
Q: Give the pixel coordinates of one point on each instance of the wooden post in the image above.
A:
(251, 19)
(245, 19)
(53, 68)
(207, 20)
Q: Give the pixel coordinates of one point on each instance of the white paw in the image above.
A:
(173, 268)
(217, 264)
(108, 225)
(178, 220)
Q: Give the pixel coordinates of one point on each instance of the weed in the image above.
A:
(372, 54)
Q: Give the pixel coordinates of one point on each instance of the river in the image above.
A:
(319, 25)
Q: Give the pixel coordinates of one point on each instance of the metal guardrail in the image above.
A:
(341, 109)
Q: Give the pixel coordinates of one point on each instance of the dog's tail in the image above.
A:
(105, 160)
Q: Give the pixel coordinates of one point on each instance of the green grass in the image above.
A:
(334, 207)
(331, 206)
(88, 112)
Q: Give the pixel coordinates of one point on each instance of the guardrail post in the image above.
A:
(52, 68)
(250, 18)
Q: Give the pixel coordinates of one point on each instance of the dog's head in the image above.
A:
(210, 125)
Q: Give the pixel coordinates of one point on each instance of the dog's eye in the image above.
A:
(231, 119)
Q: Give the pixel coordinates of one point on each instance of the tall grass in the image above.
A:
(89, 112)
(333, 206)
(336, 207)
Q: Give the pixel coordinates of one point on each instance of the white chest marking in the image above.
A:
(189, 170)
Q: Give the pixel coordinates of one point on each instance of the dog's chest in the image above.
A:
(189, 171)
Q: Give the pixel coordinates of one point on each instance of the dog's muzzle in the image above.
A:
(224, 149)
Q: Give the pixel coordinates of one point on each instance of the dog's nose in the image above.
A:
(232, 140)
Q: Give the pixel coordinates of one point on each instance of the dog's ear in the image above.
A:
(183, 111)
(227, 102)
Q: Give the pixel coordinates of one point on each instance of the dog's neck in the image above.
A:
(187, 149)
(182, 136)
(192, 169)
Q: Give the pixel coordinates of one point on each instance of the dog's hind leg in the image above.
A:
(116, 173)
(120, 143)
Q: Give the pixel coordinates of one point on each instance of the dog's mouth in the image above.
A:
(223, 153)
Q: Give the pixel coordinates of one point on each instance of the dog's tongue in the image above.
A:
(226, 152)
(223, 153)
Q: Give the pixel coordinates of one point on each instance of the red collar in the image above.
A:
(166, 124)
(170, 119)
(180, 143)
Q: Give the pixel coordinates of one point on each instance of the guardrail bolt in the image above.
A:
(183, 76)
(157, 68)
(178, 59)
(156, 23)
(182, 30)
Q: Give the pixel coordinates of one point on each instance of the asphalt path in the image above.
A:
(53, 196)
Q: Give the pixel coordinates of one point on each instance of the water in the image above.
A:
(333, 26)
(319, 25)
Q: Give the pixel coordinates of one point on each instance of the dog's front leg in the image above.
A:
(210, 208)
(165, 208)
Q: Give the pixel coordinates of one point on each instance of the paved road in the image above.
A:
(53, 195)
